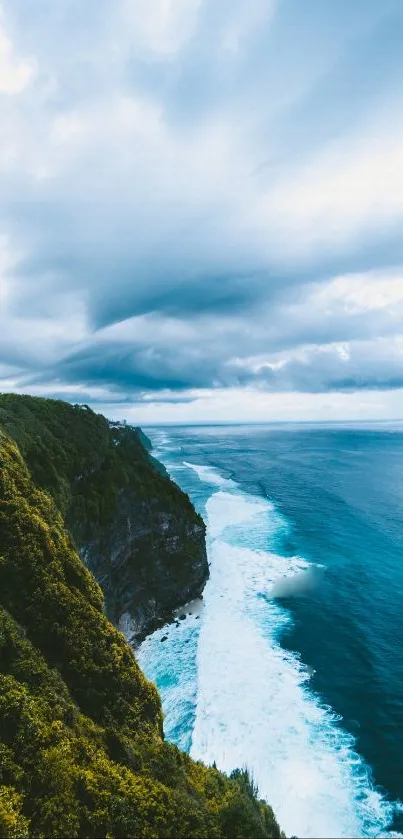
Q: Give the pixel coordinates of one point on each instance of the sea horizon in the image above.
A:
(263, 423)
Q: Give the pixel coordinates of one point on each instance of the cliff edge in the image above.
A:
(134, 528)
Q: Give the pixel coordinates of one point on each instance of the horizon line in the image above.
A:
(224, 423)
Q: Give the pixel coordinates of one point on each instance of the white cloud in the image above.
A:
(160, 27)
(8, 261)
(351, 188)
(248, 405)
(344, 366)
(45, 338)
(359, 293)
(15, 73)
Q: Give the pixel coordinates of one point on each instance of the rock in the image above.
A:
(135, 530)
(182, 617)
(150, 557)
(164, 638)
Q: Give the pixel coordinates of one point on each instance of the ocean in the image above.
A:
(293, 667)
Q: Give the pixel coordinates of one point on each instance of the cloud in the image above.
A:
(340, 366)
(15, 73)
(352, 190)
(248, 405)
(161, 28)
(342, 335)
(198, 197)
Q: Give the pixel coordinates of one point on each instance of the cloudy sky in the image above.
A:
(201, 207)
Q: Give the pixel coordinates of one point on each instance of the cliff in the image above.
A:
(133, 527)
(81, 746)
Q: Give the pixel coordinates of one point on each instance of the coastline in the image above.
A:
(136, 637)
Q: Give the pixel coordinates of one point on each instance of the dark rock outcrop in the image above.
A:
(148, 561)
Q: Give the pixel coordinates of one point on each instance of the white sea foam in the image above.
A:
(210, 475)
(171, 664)
(161, 439)
(249, 701)
(254, 705)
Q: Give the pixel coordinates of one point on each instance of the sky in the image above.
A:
(201, 207)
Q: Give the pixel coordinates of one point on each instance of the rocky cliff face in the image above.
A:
(148, 560)
(134, 528)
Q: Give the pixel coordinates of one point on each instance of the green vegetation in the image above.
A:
(138, 532)
(84, 461)
(81, 747)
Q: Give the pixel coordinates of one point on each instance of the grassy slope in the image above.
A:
(81, 747)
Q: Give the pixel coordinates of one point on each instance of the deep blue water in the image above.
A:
(294, 666)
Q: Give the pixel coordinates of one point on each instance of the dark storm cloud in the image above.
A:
(125, 370)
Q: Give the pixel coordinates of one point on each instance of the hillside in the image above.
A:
(133, 527)
(81, 746)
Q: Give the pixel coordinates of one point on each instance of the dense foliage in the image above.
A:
(84, 461)
(118, 503)
(81, 746)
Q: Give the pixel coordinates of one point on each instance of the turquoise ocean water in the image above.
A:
(294, 666)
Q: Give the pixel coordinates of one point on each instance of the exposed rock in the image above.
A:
(134, 528)
(148, 561)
